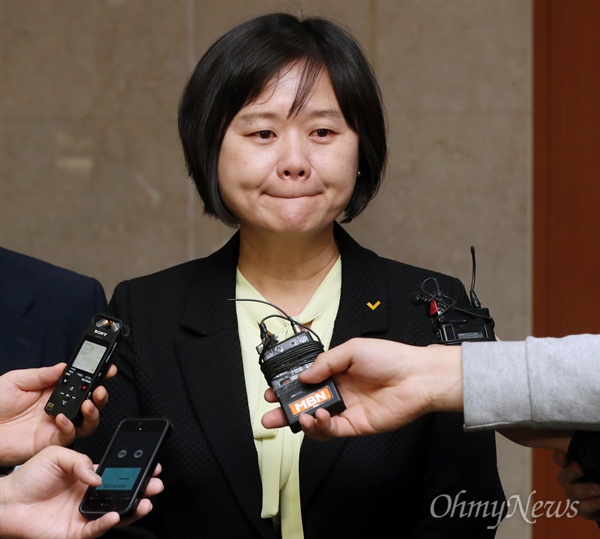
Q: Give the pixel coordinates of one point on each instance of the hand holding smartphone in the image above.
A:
(126, 467)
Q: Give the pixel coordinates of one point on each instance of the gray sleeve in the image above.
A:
(543, 383)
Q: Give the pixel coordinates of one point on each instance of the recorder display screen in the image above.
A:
(89, 356)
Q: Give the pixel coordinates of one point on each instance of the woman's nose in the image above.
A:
(292, 172)
(293, 161)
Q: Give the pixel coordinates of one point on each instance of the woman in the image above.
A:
(283, 132)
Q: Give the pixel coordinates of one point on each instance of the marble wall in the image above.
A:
(92, 176)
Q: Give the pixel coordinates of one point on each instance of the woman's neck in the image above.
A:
(287, 271)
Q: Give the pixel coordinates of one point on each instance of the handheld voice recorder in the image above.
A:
(281, 362)
(87, 368)
(126, 467)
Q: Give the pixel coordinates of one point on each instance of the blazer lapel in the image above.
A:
(363, 311)
(364, 308)
(210, 358)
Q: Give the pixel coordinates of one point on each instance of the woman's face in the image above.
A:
(289, 174)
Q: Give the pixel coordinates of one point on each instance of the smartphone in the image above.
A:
(126, 467)
(87, 368)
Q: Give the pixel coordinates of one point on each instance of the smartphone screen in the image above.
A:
(126, 467)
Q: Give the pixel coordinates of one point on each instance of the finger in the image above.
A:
(155, 486)
(40, 378)
(307, 422)
(143, 508)
(569, 474)
(270, 395)
(561, 458)
(91, 419)
(100, 397)
(157, 470)
(589, 508)
(65, 433)
(274, 419)
(71, 462)
(112, 371)
(583, 491)
(320, 427)
(84, 471)
(333, 361)
(98, 527)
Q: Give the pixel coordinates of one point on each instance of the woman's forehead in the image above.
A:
(298, 88)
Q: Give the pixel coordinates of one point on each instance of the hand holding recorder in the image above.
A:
(386, 385)
(88, 367)
(381, 392)
(25, 428)
(51, 509)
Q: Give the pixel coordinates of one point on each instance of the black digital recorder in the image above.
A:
(87, 368)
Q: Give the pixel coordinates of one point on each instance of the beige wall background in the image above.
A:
(92, 177)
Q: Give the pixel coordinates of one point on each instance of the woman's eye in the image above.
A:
(322, 132)
(265, 134)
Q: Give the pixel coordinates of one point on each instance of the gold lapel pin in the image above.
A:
(373, 307)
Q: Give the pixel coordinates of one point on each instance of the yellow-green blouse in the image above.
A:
(279, 449)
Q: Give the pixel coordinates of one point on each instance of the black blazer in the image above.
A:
(44, 310)
(183, 360)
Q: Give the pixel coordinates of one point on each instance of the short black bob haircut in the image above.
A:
(237, 67)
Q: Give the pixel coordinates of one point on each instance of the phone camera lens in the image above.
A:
(142, 426)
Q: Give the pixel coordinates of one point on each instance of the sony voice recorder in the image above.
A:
(87, 368)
